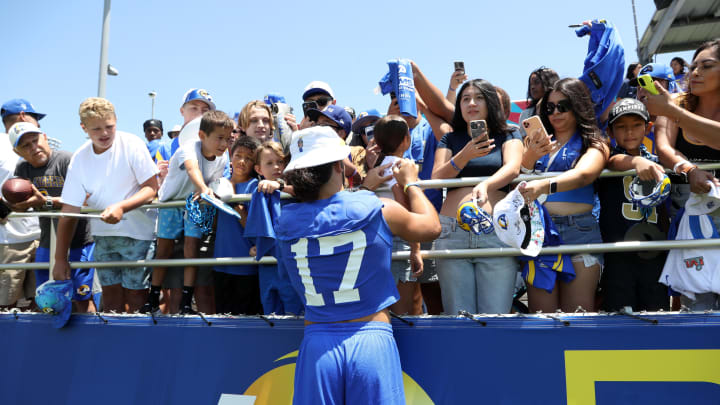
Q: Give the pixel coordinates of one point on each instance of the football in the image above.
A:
(17, 190)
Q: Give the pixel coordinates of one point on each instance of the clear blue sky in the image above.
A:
(241, 50)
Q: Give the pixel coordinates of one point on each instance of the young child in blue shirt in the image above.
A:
(237, 287)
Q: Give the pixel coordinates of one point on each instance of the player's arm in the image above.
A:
(65, 232)
(418, 224)
(114, 213)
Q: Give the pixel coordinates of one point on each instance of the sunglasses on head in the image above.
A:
(562, 106)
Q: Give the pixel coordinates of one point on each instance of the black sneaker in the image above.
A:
(187, 310)
(148, 308)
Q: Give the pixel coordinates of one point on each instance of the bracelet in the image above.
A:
(405, 189)
(451, 89)
(678, 164)
(523, 170)
(452, 162)
(363, 187)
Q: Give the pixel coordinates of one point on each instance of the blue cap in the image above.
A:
(199, 94)
(272, 98)
(658, 71)
(18, 105)
(365, 118)
(54, 297)
(335, 113)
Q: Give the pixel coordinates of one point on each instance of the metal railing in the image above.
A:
(628, 246)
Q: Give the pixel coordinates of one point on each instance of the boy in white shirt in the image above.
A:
(194, 166)
(112, 172)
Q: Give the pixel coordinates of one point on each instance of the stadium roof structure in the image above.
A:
(679, 25)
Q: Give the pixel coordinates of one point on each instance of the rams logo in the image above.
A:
(203, 93)
(83, 290)
(502, 221)
(696, 262)
(401, 69)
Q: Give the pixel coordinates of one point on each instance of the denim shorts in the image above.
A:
(580, 229)
(114, 248)
(172, 222)
(401, 269)
(474, 284)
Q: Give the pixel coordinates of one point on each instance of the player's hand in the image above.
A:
(405, 171)
(61, 270)
(700, 181)
(416, 263)
(112, 214)
(291, 121)
(375, 177)
(268, 186)
(647, 170)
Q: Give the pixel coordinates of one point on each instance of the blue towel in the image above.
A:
(263, 214)
(399, 79)
(604, 68)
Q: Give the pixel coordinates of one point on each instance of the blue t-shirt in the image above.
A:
(422, 150)
(229, 239)
(480, 166)
(337, 253)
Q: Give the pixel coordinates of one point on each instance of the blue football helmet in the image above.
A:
(474, 219)
(648, 194)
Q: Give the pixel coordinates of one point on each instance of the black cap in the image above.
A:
(628, 106)
(152, 123)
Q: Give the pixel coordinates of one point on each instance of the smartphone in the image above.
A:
(459, 66)
(310, 105)
(393, 96)
(478, 129)
(370, 132)
(646, 82)
(532, 124)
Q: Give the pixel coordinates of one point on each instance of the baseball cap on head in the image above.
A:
(658, 71)
(337, 114)
(175, 128)
(18, 105)
(54, 297)
(152, 123)
(365, 118)
(519, 225)
(628, 106)
(317, 87)
(199, 94)
(315, 146)
(19, 129)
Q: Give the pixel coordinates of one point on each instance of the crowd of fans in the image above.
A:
(117, 172)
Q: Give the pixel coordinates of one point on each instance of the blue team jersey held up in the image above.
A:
(337, 253)
(229, 239)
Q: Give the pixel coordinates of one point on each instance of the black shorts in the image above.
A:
(628, 280)
(236, 294)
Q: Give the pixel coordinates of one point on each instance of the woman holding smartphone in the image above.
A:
(687, 130)
(577, 148)
(540, 80)
(476, 285)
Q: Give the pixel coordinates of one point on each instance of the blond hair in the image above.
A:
(271, 146)
(95, 108)
(244, 118)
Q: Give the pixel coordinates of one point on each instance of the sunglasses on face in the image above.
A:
(562, 106)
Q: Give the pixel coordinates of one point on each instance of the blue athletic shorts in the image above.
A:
(348, 363)
(172, 222)
(82, 278)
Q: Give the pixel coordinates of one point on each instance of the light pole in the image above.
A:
(104, 43)
(152, 95)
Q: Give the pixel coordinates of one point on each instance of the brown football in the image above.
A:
(17, 190)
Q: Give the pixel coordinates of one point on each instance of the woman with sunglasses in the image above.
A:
(577, 148)
(476, 285)
(687, 130)
(539, 82)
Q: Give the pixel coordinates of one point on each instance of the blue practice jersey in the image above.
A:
(337, 253)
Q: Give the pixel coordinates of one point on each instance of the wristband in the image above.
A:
(523, 170)
(678, 164)
(405, 189)
(282, 184)
(452, 162)
(553, 187)
(451, 89)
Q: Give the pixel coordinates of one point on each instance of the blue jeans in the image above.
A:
(477, 285)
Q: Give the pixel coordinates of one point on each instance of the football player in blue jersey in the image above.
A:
(336, 246)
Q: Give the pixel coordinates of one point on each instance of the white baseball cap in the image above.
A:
(316, 146)
(316, 87)
(19, 129)
(519, 225)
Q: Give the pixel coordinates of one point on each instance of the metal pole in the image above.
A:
(152, 111)
(104, 43)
